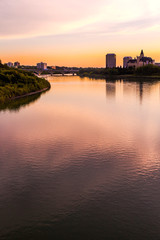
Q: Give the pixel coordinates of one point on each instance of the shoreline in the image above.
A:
(120, 76)
(15, 84)
(29, 94)
(8, 100)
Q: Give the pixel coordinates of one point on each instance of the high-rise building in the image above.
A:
(125, 61)
(10, 64)
(42, 66)
(110, 60)
(16, 64)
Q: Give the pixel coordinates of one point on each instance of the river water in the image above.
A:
(82, 161)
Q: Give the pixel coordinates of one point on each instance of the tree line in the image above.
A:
(147, 70)
(15, 82)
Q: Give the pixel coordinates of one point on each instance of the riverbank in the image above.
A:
(146, 72)
(16, 84)
(127, 76)
(30, 94)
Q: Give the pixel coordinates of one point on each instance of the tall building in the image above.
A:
(10, 64)
(16, 64)
(110, 60)
(42, 66)
(125, 61)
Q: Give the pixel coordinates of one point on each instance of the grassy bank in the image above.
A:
(15, 83)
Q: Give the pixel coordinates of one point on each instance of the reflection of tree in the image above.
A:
(17, 104)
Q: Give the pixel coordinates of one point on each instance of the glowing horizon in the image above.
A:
(81, 33)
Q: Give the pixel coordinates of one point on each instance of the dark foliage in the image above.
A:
(15, 82)
(148, 70)
(105, 71)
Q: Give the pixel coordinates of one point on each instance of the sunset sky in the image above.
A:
(78, 33)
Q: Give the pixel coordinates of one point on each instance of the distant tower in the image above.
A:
(142, 54)
(111, 60)
(16, 64)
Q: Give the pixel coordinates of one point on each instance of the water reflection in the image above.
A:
(118, 89)
(111, 89)
(17, 104)
(141, 92)
(75, 166)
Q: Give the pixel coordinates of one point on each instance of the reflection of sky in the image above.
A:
(77, 113)
(78, 146)
(65, 33)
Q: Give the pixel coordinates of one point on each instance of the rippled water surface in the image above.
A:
(82, 162)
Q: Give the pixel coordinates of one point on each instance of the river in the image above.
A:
(82, 162)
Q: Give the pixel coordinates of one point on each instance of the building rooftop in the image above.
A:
(146, 59)
(111, 54)
(132, 61)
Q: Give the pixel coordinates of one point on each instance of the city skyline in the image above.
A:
(66, 33)
(110, 62)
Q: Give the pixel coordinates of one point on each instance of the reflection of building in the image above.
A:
(10, 64)
(110, 60)
(140, 61)
(110, 89)
(125, 61)
(141, 91)
(42, 66)
(16, 64)
(129, 92)
(114, 89)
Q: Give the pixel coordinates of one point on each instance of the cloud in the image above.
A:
(26, 18)
(21, 17)
(129, 27)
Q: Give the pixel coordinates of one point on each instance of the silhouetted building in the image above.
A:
(16, 64)
(10, 64)
(42, 66)
(140, 61)
(157, 64)
(111, 60)
(125, 61)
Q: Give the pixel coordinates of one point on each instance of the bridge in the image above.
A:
(52, 72)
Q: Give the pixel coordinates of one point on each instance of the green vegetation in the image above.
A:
(15, 83)
(148, 70)
(104, 72)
